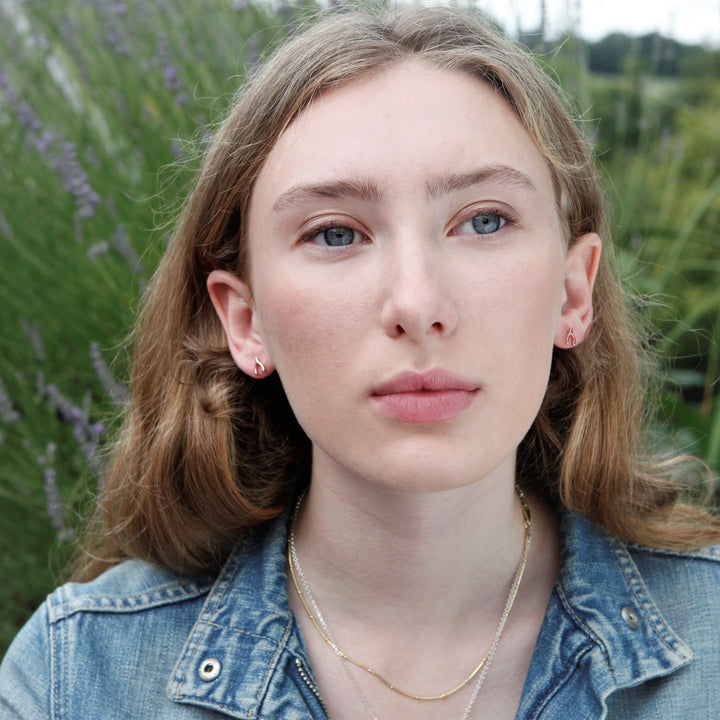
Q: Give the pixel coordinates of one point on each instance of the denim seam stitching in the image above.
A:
(546, 697)
(52, 630)
(272, 665)
(592, 635)
(105, 604)
(644, 599)
(240, 631)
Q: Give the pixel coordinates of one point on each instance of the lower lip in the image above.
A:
(424, 406)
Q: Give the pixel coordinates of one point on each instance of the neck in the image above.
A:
(400, 559)
(416, 584)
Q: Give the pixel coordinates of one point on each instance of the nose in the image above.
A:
(417, 299)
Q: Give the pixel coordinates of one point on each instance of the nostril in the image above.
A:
(418, 306)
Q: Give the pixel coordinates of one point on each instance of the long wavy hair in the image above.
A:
(206, 452)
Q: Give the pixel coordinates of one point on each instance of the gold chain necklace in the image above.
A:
(321, 625)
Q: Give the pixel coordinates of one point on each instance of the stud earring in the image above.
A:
(570, 339)
(259, 367)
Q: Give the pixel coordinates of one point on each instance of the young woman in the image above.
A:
(382, 457)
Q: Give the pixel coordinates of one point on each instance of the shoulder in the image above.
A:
(685, 592)
(676, 580)
(652, 617)
(134, 618)
(686, 588)
(676, 594)
(131, 587)
(90, 642)
(709, 554)
(582, 536)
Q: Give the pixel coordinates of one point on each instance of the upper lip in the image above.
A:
(434, 380)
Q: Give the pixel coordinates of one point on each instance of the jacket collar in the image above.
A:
(246, 629)
(601, 615)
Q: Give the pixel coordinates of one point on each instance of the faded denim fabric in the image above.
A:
(629, 634)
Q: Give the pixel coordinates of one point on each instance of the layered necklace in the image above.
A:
(313, 611)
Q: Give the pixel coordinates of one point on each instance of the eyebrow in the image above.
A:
(502, 174)
(367, 191)
(354, 189)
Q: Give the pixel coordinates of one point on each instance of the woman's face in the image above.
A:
(408, 278)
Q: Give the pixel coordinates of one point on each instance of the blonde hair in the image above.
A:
(206, 452)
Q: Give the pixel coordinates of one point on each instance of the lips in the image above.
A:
(432, 396)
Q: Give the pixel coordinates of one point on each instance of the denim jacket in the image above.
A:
(629, 633)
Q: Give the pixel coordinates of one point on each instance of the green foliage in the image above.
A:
(653, 53)
(664, 166)
(104, 110)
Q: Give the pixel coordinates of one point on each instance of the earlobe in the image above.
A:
(581, 266)
(232, 300)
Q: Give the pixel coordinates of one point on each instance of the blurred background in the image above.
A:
(105, 108)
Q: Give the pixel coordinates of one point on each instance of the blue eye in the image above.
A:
(484, 223)
(335, 236)
(487, 223)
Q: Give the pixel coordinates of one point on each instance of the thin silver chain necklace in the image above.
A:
(315, 614)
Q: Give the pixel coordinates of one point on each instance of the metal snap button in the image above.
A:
(209, 669)
(630, 617)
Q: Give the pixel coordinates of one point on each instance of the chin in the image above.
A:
(432, 478)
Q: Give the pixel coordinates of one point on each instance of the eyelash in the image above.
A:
(506, 218)
(329, 225)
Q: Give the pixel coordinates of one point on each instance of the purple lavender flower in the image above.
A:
(55, 510)
(116, 36)
(120, 241)
(44, 142)
(65, 162)
(86, 434)
(173, 82)
(97, 249)
(60, 153)
(117, 43)
(53, 500)
(8, 413)
(32, 333)
(114, 389)
(5, 228)
(254, 60)
(177, 151)
(27, 117)
(287, 13)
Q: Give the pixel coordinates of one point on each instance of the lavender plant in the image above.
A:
(103, 108)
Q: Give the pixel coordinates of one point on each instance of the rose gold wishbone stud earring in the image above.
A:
(259, 367)
(570, 339)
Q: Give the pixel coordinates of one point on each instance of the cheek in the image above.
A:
(309, 329)
(314, 339)
(524, 296)
(527, 319)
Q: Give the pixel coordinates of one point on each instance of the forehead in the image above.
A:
(404, 123)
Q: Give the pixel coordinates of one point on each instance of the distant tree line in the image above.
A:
(653, 53)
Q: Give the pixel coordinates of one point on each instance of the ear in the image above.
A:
(233, 304)
(581, 266)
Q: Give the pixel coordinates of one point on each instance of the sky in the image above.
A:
(689, 21)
